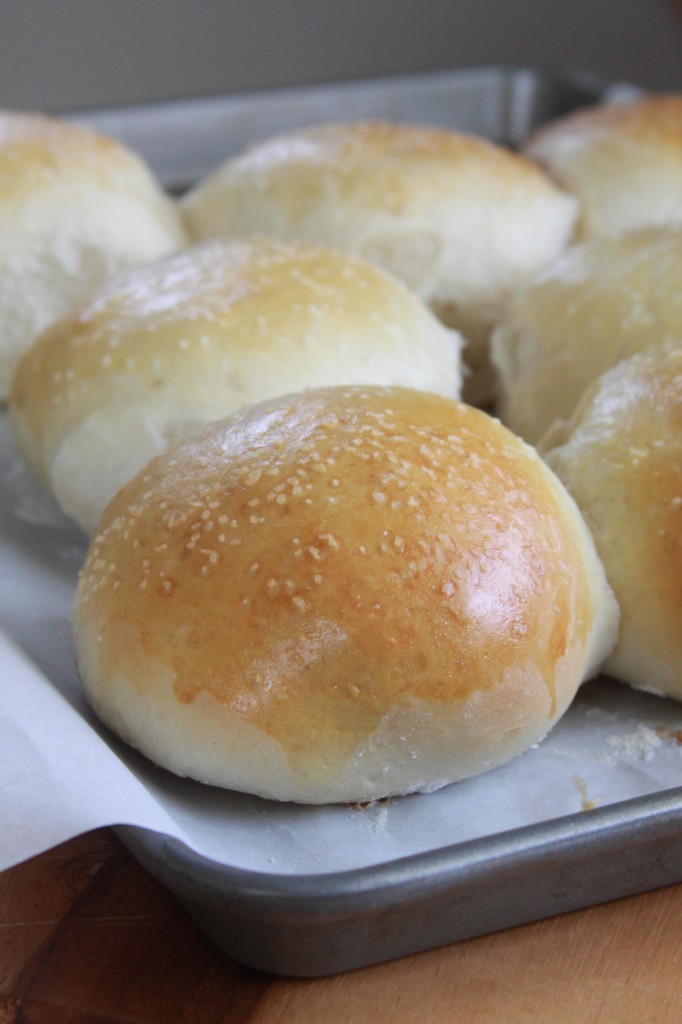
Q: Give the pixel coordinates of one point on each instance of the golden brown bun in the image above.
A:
(621, 458)
(166, 348)
(74, 207)
(622, 161)
(461, 221)
(600, 302)
(341, 595)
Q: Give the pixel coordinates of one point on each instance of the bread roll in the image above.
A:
(622, 161)
(621, 458)
(602, 301)
(461, 221)
(74, 207)
(164, 349)
(340, 595)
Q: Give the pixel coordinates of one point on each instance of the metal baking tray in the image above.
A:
(312, 925)
(322, 923)
(183, 140)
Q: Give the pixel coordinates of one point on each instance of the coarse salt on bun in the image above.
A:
(166, 348)
(74, 207)
(341, 595)
(621, 459)
(600, 302)
(460, 220)
(623, 161)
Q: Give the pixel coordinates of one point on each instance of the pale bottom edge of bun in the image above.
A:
(479, 376)
(417, 747)
(640, 669)
(107, 449)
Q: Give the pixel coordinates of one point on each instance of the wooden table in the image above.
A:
(86, 936)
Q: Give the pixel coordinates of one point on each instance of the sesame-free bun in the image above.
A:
(340, 595)
(74, 207)
(621, 459)
(600, 302)
(164, 349)
(623, 162)
(461, 221)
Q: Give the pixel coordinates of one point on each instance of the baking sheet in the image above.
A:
(263, 878)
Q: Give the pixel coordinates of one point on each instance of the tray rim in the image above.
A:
(598, 828)
(591, 81)
(138, 124)
(322, 924)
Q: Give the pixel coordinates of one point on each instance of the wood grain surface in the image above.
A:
(87, 936)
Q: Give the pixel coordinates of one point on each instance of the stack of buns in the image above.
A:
(334, 581)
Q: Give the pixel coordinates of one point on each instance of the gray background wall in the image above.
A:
(61, 54)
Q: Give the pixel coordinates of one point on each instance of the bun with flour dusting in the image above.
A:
(341, 595)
